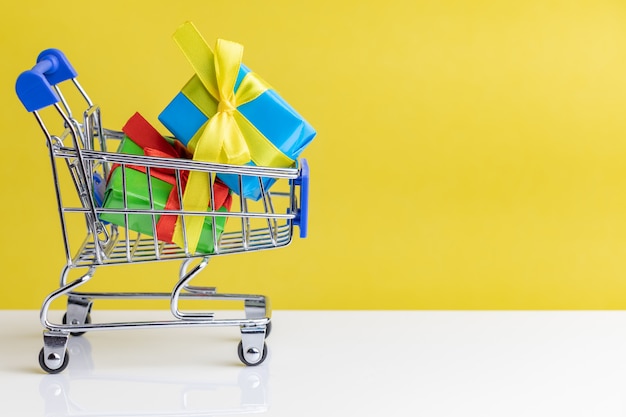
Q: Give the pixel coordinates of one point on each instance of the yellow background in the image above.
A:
(470, 154)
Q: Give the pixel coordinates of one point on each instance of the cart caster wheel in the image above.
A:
(252, 352)
(42, 363)
(87, 321)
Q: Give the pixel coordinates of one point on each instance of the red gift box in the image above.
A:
(146, 140)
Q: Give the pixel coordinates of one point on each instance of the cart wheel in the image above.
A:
(243, 359)
(45, 367)
(87, 321)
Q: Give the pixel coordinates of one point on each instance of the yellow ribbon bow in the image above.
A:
(227, 136)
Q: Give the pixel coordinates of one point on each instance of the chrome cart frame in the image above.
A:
(82, 145)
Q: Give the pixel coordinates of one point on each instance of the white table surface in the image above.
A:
(365, 363)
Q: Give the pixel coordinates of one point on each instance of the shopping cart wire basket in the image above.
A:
(81, 148)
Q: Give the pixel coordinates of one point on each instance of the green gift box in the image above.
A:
(162, 183)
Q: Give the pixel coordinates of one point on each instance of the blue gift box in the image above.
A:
(269, 113)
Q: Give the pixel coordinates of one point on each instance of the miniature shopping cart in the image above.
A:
(82, 155)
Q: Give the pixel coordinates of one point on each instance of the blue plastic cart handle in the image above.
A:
(34, 86)
(302, 216)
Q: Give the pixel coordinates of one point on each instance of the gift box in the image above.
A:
(142, 139)
(226, 113)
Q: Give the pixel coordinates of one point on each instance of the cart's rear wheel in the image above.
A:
(268, 329)
(87, 321)
(42, 363)
(246, 362)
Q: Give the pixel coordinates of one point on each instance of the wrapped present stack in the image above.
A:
(224, 114)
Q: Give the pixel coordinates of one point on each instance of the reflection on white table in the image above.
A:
(82, 390)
